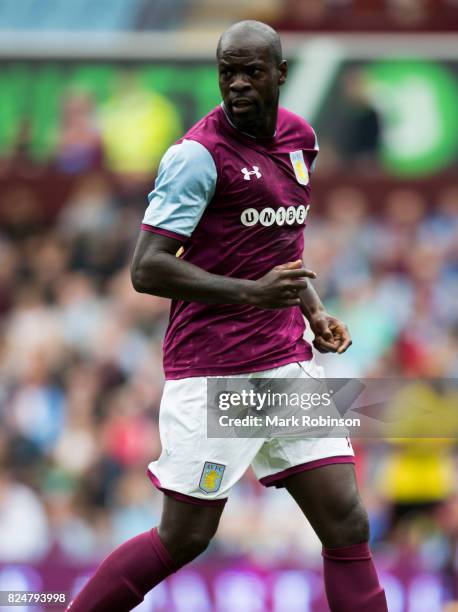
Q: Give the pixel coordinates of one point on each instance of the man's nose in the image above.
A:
(240, 83)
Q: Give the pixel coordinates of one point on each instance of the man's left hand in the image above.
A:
(331, 335)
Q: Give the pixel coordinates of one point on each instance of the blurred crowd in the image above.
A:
(80, 356)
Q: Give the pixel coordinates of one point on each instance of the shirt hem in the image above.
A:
(305, 355)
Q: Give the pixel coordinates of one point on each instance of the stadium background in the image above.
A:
(91, 94)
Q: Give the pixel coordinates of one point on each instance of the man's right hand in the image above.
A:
(280, 287)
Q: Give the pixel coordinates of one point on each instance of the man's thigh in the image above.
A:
(182, 520)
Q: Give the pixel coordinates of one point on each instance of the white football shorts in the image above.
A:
(202, 470)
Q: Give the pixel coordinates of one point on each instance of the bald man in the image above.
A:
(232, 197)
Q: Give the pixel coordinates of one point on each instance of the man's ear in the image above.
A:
(283, 70)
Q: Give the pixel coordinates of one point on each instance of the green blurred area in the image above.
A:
(139, 109)
(418, 100)
(34, 93)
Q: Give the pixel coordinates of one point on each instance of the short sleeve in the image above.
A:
(184, 186)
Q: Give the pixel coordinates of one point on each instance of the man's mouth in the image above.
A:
(241, 104)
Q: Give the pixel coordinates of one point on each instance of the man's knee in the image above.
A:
(356, 526)
(347, 525)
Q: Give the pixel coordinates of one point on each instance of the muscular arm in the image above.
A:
(156, 270)
(331, 335)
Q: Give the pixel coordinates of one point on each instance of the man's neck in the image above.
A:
(255, 137)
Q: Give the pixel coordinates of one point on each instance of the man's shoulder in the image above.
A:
(287, 116)
(194, 151)
(291, 122)
(186, 151)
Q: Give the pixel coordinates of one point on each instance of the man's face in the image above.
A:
(249, 81)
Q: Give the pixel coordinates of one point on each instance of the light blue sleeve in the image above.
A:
(184, 186)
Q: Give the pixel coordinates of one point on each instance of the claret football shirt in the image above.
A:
(239, 206)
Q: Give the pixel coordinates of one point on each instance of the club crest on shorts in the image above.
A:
(300, 167)
(212, 475)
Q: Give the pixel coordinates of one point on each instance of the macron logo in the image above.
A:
(247, 174)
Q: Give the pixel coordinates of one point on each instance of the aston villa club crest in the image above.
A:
(300, 167)
(211, 478)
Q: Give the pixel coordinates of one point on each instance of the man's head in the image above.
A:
(251, 71)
